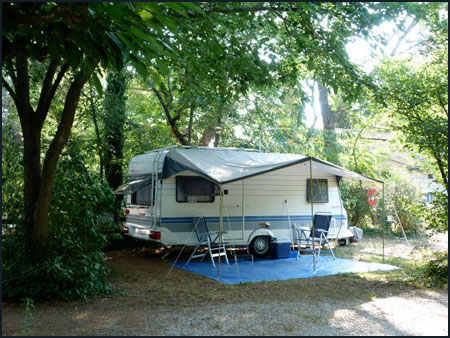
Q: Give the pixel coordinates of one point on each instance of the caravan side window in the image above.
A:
(142, 196)
(194, 189)
(319, 190)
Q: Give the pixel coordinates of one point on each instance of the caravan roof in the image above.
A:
(225, 165)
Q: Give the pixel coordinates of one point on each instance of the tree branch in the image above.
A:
(23, 84)
(442, 104)
(10, 91)
(67, 11)
(172, 121)
(163, 104)
(402, 38)
(45, 102)
(209, 10)
(182, 108)
(46, 85)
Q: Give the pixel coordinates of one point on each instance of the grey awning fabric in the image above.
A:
(228, 165)
(334, 169)
(224, 166)
(132, 186)
(143, 165)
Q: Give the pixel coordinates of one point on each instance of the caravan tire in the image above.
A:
(259, 246)
(343, 242)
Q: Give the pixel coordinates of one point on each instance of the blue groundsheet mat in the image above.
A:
(279, 269)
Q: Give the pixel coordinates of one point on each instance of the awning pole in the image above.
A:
(384, 220)
(312, 212)
(243, 209)
(342, 213)
(220, 223)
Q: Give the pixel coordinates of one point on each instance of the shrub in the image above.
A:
(434, 273)
(399, 193)
(354, 198)
(407, 202)
(436, 215)
(73, 264)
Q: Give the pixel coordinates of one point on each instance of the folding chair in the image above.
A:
(204, 239)
(321, 223)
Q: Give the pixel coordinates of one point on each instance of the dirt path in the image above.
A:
(188, 304)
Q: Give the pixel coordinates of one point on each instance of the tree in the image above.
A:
(71, 40)
(417, 97)
(113, 122)
(219, 59)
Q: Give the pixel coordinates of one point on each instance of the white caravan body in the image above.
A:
(274, 193)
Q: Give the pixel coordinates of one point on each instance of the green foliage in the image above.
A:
(406, 200)
(73, 265)
(83, 34)
(434, 273)
(113, 120)
(436, 214)
(12, 174)
(354, 198)
(417, 98)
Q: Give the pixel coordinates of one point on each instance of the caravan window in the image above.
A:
(194, 189)
(319, 190)
(142, 196)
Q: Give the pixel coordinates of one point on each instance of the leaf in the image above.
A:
(140, 68)
(97, 84)
(115, 39)
(163, 68)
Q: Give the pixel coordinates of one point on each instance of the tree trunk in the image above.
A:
(114, 120)
(97, 131)
(40, 232)
(207, 136)
(32, 168)
(328, 115)
(191, 120)
(329, 126)
(218, 131)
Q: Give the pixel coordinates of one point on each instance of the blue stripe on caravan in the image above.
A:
(275, 218)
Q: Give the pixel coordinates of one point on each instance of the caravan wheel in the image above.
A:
(259, 246)
(343, 242)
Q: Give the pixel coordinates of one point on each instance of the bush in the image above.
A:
(73, 264)
(12, 176)
(435, 272)
(436, 215)
(407, 202)
(354, 198)
(399, 193)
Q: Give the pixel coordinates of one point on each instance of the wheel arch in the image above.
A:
(260, 232)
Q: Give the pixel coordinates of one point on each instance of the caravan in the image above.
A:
(249, 196)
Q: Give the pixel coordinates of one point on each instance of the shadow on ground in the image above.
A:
(152, 303)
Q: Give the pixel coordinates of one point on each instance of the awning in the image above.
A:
(228, 165)
(132, 186)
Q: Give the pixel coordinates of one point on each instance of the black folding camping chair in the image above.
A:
(321, 223)
(204, 239)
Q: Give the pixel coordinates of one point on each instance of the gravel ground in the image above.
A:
(417, 313)
(189, 304)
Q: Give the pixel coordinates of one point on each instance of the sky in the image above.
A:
(360, 51)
